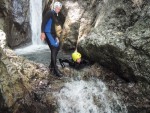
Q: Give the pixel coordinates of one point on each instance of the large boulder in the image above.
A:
(114, 33)
(79, 20)
(14, 20)
(17, 78)
(120, 39)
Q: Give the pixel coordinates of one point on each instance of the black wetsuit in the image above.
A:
(73, 64)
(48, 27)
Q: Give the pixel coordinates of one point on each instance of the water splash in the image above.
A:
(88, 97)
(31, 49)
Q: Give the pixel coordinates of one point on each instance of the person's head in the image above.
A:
(76, 56)
(57, 7)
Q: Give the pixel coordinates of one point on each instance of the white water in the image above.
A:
(88, 97)
(30, 49)
(35, 22)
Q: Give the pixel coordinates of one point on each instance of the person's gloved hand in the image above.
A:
(55, 43)
(57, 39)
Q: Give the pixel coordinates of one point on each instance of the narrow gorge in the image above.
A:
(113, 34)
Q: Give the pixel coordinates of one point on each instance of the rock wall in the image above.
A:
(17, 78)
(79, 20)
(114, 33)
(121, 40)
(14, 20)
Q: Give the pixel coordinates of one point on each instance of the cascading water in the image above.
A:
(88, 97)
(35, 22)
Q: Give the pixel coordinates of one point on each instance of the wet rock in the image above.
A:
(79, 18)
(17, 79)
(134, 95)
(119, 40)
(117, 30)
(3, 107)
(3, 39)
(14, 20)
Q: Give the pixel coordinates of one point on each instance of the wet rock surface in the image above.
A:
(14, 20)
(113, 33)
(118, 37)
(79, 20)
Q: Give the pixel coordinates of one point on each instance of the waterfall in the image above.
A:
(88, 97)
(36, 20)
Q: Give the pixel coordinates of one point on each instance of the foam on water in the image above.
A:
(88, 97)
(31, 49)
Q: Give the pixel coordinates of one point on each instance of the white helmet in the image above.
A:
(57, 4)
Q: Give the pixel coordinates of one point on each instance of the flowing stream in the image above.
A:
(88, 97)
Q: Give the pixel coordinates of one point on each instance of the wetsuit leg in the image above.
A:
(65, 61)
(54, 52)
(62, 61)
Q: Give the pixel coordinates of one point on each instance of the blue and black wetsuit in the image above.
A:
(48, 27)
(74, 64)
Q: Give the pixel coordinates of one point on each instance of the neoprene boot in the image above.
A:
(51, 69)
(58, 73)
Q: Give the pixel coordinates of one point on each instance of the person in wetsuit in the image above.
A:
(48, 29)
(76, 61)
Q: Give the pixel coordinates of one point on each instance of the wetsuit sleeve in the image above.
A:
(53, 41)
(71, 63)
(47, 16)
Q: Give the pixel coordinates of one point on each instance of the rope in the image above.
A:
(77, 44)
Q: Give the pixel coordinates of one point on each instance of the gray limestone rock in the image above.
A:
(14, 20)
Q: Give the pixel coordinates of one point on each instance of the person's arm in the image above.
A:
(52, 40)
(44, 22)
(69, 61)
